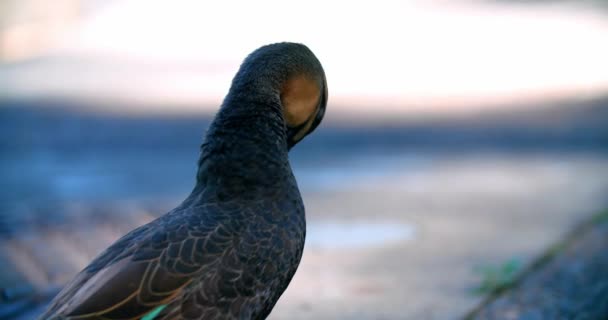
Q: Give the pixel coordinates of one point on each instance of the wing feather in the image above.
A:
(147, 268)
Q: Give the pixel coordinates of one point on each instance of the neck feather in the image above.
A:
(245, 150)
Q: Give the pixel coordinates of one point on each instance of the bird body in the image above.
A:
(231, 248)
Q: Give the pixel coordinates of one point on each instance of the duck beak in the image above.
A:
(295, 134)
(292, 134)
(321, 110)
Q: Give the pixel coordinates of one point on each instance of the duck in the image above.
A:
(231, 248)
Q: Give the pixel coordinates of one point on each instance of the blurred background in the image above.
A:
(461, 138)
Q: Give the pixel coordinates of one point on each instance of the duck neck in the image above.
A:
(245, 151)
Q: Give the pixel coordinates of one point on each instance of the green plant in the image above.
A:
(497, 278)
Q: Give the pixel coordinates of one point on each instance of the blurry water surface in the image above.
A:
(66, 155)
(57, 154)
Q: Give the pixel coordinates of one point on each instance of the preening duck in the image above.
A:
(231, 248)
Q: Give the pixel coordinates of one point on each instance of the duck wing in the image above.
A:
(144, 270)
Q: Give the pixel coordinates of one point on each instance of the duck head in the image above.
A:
(291, 75)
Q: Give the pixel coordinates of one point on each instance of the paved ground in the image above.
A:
(467, 213)
(398, 246)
